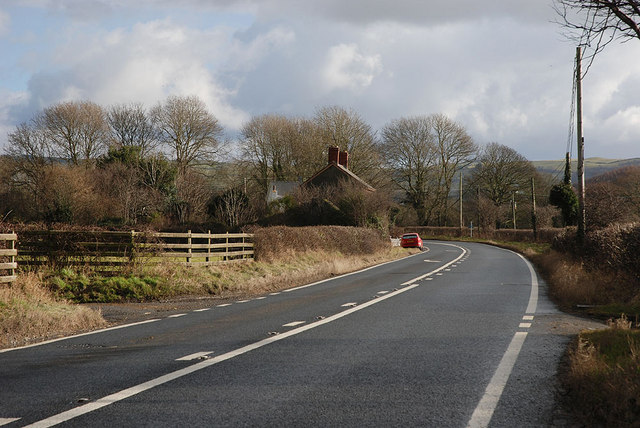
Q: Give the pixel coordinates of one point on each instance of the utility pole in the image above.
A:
(461, 222)
(581, 192)
(534, 218)
(513, 208)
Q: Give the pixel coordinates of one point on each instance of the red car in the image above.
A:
(411, 240)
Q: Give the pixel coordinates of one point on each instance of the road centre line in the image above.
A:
(117, 327)
(176, 315)
(223, 305)
(528, 318)
(137, 389)
(6, 421)
(294, 324)
(349, 304)
(421, 277)
(202, 310)
(348, 274)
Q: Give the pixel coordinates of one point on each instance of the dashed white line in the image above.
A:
(349, 304)
(528, 318)
(223, 305)
(176, 315)
(524, 325)
(196, 356)
(274, 294)
(260, 298)
(382, 292)
(242, 301)
(294, 324)
(202, 310)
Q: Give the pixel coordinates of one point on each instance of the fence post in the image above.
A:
(12, 258)
(226, 248)
(189, 244)
(208, 246)
(133, 246)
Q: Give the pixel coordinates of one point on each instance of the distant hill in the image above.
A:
(592, 166)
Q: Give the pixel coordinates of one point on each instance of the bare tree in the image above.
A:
(131, 127)
(596, 23)
(500, 173)
(281, 148)
(409, 150)
(347, 130)
(455, 151)
(76, 130)
(188, 129)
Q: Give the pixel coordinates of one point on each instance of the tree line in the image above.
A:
(170, 165)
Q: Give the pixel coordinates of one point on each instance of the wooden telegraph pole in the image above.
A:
(581, 192)
(461, 220)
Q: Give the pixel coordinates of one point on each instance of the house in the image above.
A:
(336, 172)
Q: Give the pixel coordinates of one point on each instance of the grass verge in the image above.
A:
(30, 311)
(603, 377)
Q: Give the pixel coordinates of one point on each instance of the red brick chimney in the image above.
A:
(334, 153)
(344, 159)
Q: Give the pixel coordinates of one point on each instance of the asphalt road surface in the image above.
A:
(459, 335)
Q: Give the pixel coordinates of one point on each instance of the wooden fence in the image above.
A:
(111, 250)
(8, 255)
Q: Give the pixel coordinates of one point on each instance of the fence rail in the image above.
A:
(106, 250)
(8, 253)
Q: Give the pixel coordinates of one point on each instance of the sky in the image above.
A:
(502, 68)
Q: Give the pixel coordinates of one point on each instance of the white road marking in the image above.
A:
(383, 292)
(176, 315)
(487, 405)
(242, 301)
(202, 310)
(347, 274)
(5, 421)
(528, 317)
(274, 294)
(447, 270)
(137, 389)
(260, 298)
(432, 261)
(349, 304)
(439, 274)
(294, 324)
(484, 411)
(196, 356)
(224, 304)
(117, 327)
(524, 325)
(421, 277)
(428, 279)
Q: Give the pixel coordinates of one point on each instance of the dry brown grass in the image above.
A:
(29, 312)
(603, 379)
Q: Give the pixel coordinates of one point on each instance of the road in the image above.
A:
(459, 335)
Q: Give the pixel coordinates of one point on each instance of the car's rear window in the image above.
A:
(409, 236)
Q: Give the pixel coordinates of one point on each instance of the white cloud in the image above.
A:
(346, 68)
(5, 23)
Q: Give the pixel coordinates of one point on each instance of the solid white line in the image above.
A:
(176, 315)
(195, 356)
(487, 405)
(5, 421)
(117, 327)
(533, 297)
(294, 324)
(126, 393)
